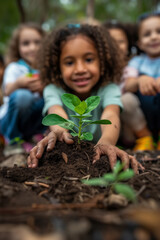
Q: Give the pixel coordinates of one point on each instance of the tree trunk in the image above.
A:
(90, 9)
(21, 11)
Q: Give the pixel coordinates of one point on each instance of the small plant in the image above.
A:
(81, 109)
(114, 181)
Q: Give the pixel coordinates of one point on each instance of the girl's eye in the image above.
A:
(37, 42)
(146, 34)
(89, 60)
(25, 43)
(69, 63)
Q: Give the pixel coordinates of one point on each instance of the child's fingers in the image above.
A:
(124, 158)
(67, 138)
(32, 160)
(50, 141)
(105, 150)
(97, 155)
(135, 164)
(112, 158)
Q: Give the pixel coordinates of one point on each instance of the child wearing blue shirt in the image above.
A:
(143, 77)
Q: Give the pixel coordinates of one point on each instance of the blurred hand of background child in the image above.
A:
(32, 83)
(147, 85)
(158, 84)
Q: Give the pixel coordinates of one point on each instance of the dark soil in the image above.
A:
(54, 192)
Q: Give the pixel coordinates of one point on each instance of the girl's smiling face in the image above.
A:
(149, 36)
(80, 65)
(29, 44)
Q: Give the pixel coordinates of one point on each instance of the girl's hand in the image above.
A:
(35, 84)
(47, 143)
(147, 85)
(158, 84)
(113, 152)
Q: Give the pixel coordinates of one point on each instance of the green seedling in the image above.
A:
(114, 180)
(81, 110)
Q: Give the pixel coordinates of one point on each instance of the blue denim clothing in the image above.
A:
(24, 116)
(151, 109)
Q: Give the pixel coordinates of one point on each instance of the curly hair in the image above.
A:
(13, 54)
(111, 62)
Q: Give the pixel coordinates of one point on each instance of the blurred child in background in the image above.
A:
(134, 125)
(143, 77)
(2, 66)
(20, 114)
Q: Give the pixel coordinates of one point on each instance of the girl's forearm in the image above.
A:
(131, 84)
(110, 133)
(11, 87)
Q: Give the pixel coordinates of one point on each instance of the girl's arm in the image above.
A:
(145, 84)
(131, 84)
(31, 83)
(110, 134)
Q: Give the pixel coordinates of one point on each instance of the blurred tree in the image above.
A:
(9, 18)
(90, 9)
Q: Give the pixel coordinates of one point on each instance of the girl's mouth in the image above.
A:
(81, 82)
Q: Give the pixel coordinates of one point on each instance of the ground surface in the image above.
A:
(51, 198)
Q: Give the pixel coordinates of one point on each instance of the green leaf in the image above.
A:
(87, 135)
(92, 103)
(87, 121)
(67, 125)
(81, 108)
(95, 182)
(54, 119)
(81, 117)
(103, 121)
(125, 175)
(70, 100)
(74, 134)
(125, 190)
(118, 167)
(110, 177)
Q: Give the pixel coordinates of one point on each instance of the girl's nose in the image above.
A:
(33, 46)
(154, 35)
(80, 67)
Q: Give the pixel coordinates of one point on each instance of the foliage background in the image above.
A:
(51, 13)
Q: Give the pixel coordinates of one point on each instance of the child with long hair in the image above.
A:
(83, 60)
(143, 77)
(134, 126)
(20, 114)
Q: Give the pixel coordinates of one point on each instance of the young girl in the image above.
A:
(83, 60)
(20, 115)
(144, 76)
(134, 125)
